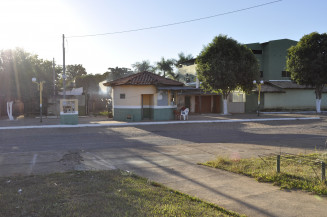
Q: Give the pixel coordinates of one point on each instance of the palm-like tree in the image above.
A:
(143, 66)
(166, 66)
(183, 58)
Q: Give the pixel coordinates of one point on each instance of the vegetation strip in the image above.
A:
(97, 193)
(295, 172)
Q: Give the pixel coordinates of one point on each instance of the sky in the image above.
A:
(38, 26)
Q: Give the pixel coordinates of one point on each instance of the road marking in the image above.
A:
(32, 164)
(155, 123)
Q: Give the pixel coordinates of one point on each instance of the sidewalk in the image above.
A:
(98, 121)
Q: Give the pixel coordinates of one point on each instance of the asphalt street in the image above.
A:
(169, 154)
(306, 134)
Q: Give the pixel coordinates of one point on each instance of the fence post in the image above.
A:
(323, 171)
(278, 164)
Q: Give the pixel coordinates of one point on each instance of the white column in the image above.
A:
(9, 110)
(225, 107)
(318, 103)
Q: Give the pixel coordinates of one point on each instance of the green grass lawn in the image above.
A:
(297, 171)
(97, 193)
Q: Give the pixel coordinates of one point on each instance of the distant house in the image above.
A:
(198, 100)
(144, 96)
(279, 92)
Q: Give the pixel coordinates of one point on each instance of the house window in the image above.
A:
(286, 74)
(257, 51)
(261, 74)
(122, 95)
(172, 98)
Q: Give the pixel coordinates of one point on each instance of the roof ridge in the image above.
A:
(144, 78)
(275, 85)
(128, 76)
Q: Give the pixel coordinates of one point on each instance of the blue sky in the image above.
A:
(38, 25)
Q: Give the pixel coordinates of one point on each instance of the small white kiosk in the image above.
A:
(68, 111)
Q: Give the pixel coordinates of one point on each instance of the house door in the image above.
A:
(216, 104)
(147, 106)
(188, 102)
(197, 104)
(205, 104)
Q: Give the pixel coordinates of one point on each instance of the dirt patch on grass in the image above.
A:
(72, 161)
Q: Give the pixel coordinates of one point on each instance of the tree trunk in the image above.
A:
(318, 92)
(318, 103)
(225, 96)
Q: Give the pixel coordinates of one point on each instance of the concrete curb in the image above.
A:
(295, 112)
(155, 123)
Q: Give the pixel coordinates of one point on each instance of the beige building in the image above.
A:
(144, 96)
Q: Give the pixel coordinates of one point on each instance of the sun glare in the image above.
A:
(35, 25)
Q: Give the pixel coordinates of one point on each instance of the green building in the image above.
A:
(272, 58)
(279, 92)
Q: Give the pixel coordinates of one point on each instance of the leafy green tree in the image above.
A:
(307, 62)
(115, 73)
(90, 83)
(225, 65)
(166, 66)
(18, 68)
(143, 66)
(74, 71)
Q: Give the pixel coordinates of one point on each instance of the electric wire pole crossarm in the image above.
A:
(40, 88)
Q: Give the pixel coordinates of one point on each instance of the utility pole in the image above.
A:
(64, 66)
(54, 77)
(40, 87)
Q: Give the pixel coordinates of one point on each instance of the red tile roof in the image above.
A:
(144, 78)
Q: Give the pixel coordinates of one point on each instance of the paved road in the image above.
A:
(168, 154)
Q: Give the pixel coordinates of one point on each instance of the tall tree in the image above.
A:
(307, 62)
(166, 66)
(225, 65)
(143, 66)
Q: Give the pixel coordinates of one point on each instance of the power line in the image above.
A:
(176, 23)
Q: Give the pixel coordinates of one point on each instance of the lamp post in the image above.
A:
(259, 90)
(40, 87)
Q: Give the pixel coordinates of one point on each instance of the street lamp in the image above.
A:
(39, 87)
(259, 90)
